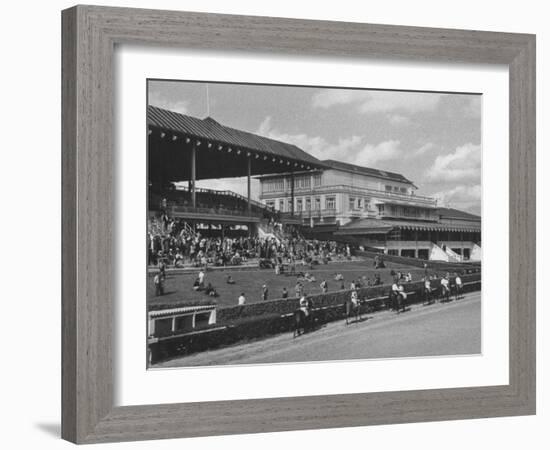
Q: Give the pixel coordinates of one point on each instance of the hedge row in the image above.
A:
(286, 306)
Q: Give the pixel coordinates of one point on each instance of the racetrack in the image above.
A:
(440, 329)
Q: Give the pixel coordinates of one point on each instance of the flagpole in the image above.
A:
(207, 101)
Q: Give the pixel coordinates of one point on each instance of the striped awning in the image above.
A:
(181, 310)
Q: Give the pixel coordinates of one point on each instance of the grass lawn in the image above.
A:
(178, 286)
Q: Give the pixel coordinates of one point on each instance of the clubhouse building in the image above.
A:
(375, 209)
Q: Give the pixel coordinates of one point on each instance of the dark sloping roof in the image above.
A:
(209, 129)
(451, 213)
(368, 225)
(338, 165)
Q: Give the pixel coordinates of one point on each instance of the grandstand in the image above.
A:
(240, 245)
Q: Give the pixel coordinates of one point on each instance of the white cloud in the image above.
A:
(463, 197)
(374, 154)
(353, 149)
(423, 149)
(461, 165)
(378, 101)
(398, 120)
(161, 101)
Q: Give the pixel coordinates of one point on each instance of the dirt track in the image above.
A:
(440, 329)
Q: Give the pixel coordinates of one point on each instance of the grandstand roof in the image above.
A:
(451, 213)
(368, 226)
(352, 168)
(221, 151)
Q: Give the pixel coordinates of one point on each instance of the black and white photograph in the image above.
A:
(294, 224)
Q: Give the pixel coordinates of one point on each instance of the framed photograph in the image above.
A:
(277, 224)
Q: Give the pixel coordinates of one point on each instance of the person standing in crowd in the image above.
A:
(242, 299)
(162, 268)
(445, 289)
(265, 292)
(201, 278)
(427, 290)
(304, 305)
(354, 298)
(298, 289)
(458, 284)
(159, 286)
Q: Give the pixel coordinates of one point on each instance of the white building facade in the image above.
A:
(343, 192)
(373, 208)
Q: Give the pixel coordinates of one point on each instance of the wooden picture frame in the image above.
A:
(89, 37)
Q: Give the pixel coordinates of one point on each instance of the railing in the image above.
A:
(175, 209)
(309, 213)
(356, 191)
(224, 192)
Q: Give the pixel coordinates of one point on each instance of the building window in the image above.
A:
(388, 188)
(308, 204)
(317, 180)
(281, 205)
(359, 203)
(303, 182)
(381, 209)
(276, 185)
(403, 190)
(351, 203)
(330, 202)
(289, 205)
(396, 189)
(317, 203)
(299, 204)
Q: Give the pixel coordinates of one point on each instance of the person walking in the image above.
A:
(158, 280)
(242, 299)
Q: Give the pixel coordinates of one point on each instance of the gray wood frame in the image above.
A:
(89, 36)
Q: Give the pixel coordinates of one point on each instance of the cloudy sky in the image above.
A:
(433, 139)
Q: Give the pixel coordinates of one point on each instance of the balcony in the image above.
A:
(365, 192)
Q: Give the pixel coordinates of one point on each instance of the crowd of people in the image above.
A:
(172, 242)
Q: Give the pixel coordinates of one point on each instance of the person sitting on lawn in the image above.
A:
(324, 286)
(229, 280)
(284, 293)
(211, 290)
(196, 285)
(309, 277)
(338, 277)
